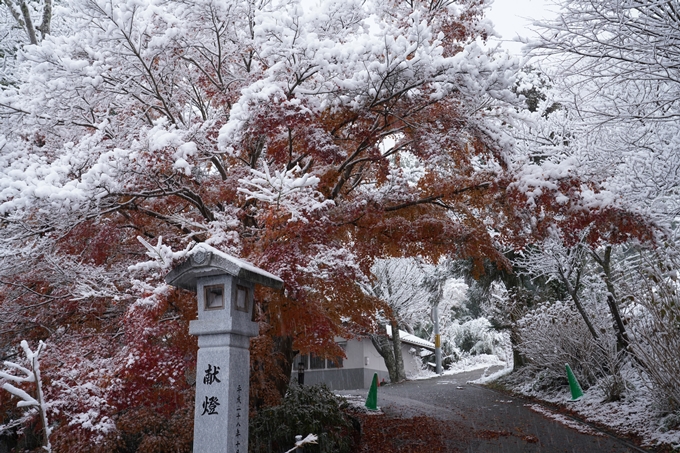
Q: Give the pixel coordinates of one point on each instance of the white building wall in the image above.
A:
(373, 363)
(362, 362)
(371, 358)
(354, 353)
(411, 362)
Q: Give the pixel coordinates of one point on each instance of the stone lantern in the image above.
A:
(226, 321)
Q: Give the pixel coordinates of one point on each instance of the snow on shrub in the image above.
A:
(656, 330)
(554, 334)
(474, 337)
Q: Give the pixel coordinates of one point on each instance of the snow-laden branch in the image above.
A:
(32, 375)
(162, 255)
(28, 378)
(284, 189)
(273, 188)
(26, 399)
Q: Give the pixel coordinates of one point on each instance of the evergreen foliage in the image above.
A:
(304, 410)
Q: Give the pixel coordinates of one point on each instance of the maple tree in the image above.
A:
(309, 141)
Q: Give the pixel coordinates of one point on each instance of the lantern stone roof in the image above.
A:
(206, 261)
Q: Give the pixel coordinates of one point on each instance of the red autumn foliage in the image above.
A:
(121, 364)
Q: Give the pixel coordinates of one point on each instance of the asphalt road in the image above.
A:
(480, 420)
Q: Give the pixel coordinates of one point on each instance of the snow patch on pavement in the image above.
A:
(491, 377)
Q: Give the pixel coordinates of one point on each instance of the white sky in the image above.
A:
(513, 17)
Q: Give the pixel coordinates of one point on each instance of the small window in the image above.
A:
(214, 297)
(317, 363)
(241, 298)
(337, 361)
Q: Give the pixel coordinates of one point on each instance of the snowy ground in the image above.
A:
(359, 403)
(471, 363)
(566, 421)
(635, 415)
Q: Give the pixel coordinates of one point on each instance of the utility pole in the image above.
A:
(437, 337)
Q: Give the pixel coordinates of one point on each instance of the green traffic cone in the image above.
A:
(576, 392)
(372, 399)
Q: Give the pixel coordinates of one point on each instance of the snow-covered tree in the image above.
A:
(398, 282)
(611, 66)
(259, 127)
(409, 291)
(613, 63)
(652, 287)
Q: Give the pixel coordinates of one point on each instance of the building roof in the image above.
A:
(410, 339)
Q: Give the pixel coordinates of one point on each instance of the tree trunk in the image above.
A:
(28, 23)
(518, 360)
(284, 359)
(622, 340)
(398, 356)
(573, 292)
(271, 366)
(386, 350)
(46, 24)
(513, 285)
(40, 398)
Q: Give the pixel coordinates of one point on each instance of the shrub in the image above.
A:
(475, 336)
(670, 422)
(304, 410)
(656, 330)
(555, 334)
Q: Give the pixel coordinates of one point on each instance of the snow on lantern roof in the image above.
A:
(206, 261)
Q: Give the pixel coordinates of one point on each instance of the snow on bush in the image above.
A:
(554, 334)
(656, 330)
(474, 337)
(467, 343)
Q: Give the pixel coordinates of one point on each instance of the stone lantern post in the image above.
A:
(224, 286)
